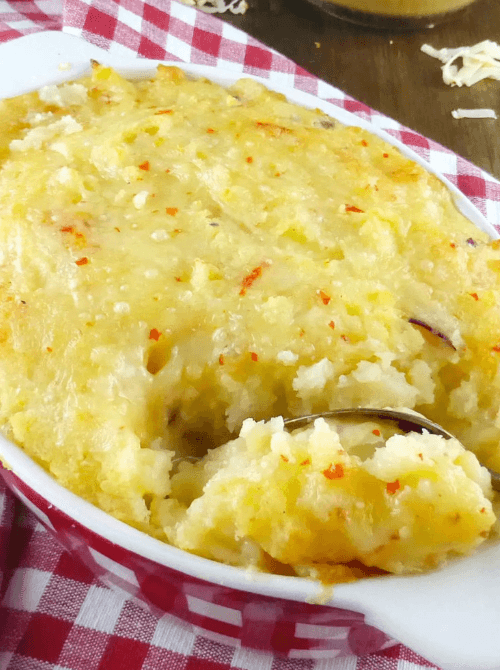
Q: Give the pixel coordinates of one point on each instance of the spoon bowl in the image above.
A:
(406, 420)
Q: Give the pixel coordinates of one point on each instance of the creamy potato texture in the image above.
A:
(177, 258)
(322, 497)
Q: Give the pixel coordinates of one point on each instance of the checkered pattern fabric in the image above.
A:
(22, 18)
(53, 611)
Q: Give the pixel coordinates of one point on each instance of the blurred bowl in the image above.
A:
(450, 616)
(395, 14)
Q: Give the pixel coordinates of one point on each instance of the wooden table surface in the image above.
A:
(387, 71)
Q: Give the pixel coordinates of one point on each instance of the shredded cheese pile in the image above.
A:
(481, 61)
(219, 6)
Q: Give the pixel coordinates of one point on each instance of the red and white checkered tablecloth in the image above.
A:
(53, 612)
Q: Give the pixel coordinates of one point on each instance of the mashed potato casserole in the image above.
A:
(179, 260)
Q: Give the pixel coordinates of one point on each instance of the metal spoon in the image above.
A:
(406, 421)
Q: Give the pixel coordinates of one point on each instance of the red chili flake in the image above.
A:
(79, 236)
(306, 462)
(164, 111)
(277, 174)
(221, 359)
(144, 166)
(249, 159)
(254, 356)
(453, 245)
(385, 155)
(171, 211)
(364, 143)
(154, 334)
(250, 278)
(49, 349)
(332, 325)
(167, 171)
(67, 229)
(177, 230)
(421, 456)
(352, 208)
(178, 278)
(392, 487)
(210, 131)
(325, 298)
(345, 338)
(376, 432)
(474, 295)
(483, 510)
(496, 348)
(82, 261)
(284, 458)
(334, 472)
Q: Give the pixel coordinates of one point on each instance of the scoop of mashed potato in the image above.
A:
(329, 495)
